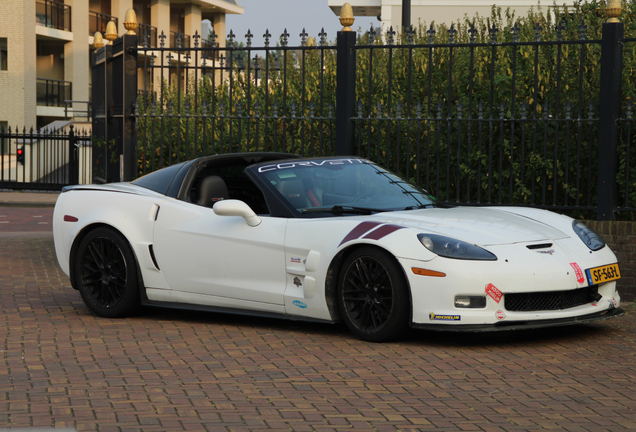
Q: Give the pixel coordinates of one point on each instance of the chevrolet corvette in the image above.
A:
(328, 239)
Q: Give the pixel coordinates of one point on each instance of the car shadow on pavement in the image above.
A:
(415, 337)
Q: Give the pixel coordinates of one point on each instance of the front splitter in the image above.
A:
(522, 325)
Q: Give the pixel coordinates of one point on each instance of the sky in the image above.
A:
(276, 15)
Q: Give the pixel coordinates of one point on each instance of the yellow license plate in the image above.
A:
(598, 275)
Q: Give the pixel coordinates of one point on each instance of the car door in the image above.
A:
(200, 252)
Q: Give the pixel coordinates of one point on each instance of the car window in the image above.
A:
(159, 181)
(228, 182)
(318, 183)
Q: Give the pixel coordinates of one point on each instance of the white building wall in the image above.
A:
(17, 84)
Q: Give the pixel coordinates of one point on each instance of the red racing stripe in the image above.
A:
(383, 231)
(362, 228)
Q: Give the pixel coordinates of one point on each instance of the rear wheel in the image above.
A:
(373, 296)
(106, 274)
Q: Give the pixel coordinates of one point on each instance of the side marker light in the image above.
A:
(424, 272)
(68, 218)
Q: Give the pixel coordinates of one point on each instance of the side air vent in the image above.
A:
(152, 255)
(539, 246)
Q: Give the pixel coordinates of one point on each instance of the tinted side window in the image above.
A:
(159, 181)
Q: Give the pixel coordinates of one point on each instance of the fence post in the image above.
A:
(73, 175)
(345, 84)
(610, 106)
(124, 98)
(100, 63)
(115, 68)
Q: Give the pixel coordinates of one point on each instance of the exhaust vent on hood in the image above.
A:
(539, 246)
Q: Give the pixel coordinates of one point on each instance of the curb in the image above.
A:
(25, 204)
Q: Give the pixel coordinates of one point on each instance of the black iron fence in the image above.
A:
(44, 160)
(477, 116)
(179, 40)
(483, 136)
(148, 35)
(216, 100)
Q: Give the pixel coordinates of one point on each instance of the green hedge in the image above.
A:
(474, 156)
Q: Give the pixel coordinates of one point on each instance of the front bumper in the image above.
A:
(524, 325)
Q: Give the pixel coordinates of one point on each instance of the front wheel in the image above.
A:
(373, 296)
(106, 274)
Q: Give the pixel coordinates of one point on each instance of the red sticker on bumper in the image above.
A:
(579, 273)
(494, 292)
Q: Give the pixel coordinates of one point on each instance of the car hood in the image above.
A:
(479, 225)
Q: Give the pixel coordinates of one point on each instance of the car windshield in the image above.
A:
(342, 186)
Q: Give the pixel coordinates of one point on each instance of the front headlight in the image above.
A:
(449, 247)
(591, 238)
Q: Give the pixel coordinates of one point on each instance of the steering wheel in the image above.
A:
(360, 197)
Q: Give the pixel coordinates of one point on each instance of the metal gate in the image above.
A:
(44, 159)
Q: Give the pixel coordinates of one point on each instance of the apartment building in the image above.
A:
(389, 12)
(46, 46)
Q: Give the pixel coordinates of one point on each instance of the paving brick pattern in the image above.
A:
(14, 219)
(170, 370)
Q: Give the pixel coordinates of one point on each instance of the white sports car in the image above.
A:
(327, 239)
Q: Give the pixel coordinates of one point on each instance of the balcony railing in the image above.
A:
(78, 110)
(53, 92)
(97, 22)
(184, 40)
(149, 32)
(52, 14)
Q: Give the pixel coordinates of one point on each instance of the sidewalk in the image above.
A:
(28, 199)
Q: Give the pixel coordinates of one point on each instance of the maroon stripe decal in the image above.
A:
(362, 228)
(383, 231)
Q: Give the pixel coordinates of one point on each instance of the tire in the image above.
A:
(373, 296)
(106, 274)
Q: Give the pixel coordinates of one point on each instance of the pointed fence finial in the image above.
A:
(323, 37)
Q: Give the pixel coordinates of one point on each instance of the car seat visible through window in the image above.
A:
(210, 190)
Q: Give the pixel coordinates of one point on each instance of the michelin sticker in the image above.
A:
(434, 317)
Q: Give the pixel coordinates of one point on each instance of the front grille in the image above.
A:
(552, 300)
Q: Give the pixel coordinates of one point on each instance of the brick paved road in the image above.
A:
(167, 370)
(27, 219)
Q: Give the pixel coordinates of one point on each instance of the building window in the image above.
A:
(3, 54)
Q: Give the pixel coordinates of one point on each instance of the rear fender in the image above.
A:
(132, 215)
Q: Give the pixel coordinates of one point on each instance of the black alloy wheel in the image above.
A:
(373, 296)
(106, 274)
